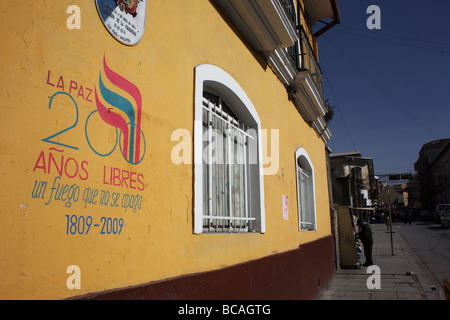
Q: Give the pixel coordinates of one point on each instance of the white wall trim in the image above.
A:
(211, 75)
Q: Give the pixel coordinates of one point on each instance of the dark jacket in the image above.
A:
(366, 234)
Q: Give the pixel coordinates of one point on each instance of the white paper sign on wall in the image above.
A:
(285, 207)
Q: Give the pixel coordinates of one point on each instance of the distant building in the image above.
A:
(413, 189)
(353, 180)
(433, 170)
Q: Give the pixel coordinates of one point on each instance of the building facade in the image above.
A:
(433, 173)
(354, 182)
(164, 150)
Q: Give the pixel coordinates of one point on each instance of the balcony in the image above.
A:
(265, 23)
(274, 27)
(306, 82)
(305, 61)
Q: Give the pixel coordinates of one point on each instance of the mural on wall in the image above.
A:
(131, 129)
(71, 182)
(124, 19)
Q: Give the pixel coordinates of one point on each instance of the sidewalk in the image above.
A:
(401, 277)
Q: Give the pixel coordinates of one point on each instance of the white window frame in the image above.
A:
(301, 153)
(212, 77)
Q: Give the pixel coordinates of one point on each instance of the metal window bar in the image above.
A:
(306, 214)
(302, 54)
(290, 9)
(294, 51)
(225, 193)
(218, 112)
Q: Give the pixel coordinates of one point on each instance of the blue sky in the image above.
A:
(390, 87)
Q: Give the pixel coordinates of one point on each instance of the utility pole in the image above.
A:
(390, 220)
(389, 196)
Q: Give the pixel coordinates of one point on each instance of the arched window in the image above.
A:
(228, 186)
(305, 191)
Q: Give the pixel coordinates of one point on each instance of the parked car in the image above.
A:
(445, 219)
(441, 209)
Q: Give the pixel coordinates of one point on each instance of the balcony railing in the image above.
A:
(290, 9)
(302, 54)
(274, 28)
(309, 61)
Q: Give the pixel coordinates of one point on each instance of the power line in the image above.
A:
(381, 88)
(338, 108)
(394, 42)
(393, 36)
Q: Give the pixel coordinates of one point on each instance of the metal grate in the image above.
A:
(225, 179)
(306, 199)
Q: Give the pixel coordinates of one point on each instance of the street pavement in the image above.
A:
(401, 275)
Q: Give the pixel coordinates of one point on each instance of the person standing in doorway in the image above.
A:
(365, 235)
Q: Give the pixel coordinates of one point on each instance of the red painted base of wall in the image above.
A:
(297, 274)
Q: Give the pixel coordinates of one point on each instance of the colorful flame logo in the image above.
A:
(131, 129)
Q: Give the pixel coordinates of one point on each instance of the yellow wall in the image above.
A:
(157, 240)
